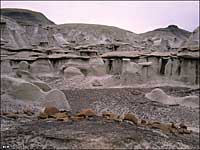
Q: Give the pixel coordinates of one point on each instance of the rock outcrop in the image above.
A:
(32, 93)
(165, 39)
(26, 17)
(160, 96)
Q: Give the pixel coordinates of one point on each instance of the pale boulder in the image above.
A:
(41, 66)
(57, 99)
(24, 65)
(71, 72)
(190, 101)
(31, 93)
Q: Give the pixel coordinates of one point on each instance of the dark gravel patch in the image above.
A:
(121, 100)
(93, 133)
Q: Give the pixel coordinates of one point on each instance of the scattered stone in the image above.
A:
(42, 116)
(76, 118)
(183, 126)
(85, 113)
(143, 122)
(110, 116)
(132, 118)
(12, 115)
(51, 111)
(63, 119)
(28, 112)
(59, 115)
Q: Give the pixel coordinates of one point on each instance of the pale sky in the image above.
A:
(135, 16)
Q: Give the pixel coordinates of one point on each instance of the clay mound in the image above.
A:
(190, 101)
(57, 99)
(31, 93)
(28, 92)
(157, 95)
(41, 66)
(160, 96)
(72, 72)
(24, 65)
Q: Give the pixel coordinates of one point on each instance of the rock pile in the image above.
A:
(53, 112)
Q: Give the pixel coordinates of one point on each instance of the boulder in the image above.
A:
(86, 113)
(160, 96)
(41, 66)
(71, 72)
(51, 111)
(26, 75)
(132, 118)
(29, 92)
(57, 99)
(190, 101)
(147, 71)
(24, 65)
(42, 85)
(29, 77)
(157, 95)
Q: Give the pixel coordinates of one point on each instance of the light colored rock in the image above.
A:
(28, 92)
(131, 73)
(157, 95)
(41, 66)
(9, 83)
(145, 64)
(188, 71)
(25, 75)
(98, 68)
(147, 71)
(29, 77)
(21, 89)
(6, 68)
(57, 99)
(168, 68)
(130, 67)
(24, 65)
(190, 101)
(31, 93)
(71, 72)
(160, 96)
(175, 69)
(155, 64)
(42, 85)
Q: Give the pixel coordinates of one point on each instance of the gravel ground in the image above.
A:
(95, 133)
(125, 100)
(26, 133)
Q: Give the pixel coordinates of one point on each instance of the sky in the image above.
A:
(135, 16)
